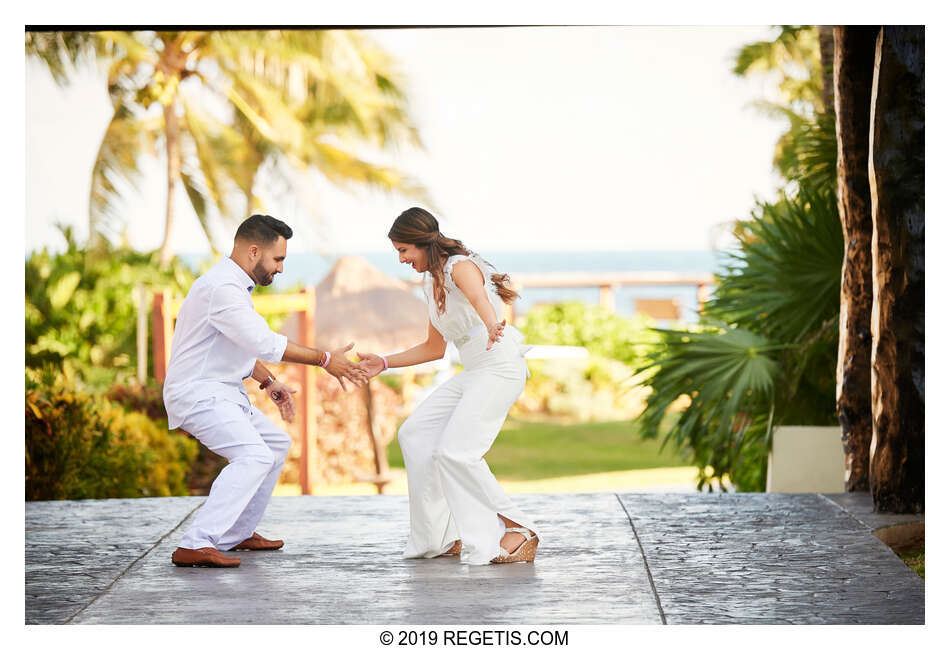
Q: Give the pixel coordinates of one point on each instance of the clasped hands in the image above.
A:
(337, 365)
(373, 364)
(358, 374)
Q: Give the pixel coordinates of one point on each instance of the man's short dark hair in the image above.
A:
(263, 229)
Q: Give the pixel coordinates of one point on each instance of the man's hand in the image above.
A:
(371, 363)
(341, 367)
(281, 394)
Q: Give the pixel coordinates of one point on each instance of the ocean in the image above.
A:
(309, 268)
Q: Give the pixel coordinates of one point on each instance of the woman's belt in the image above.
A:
(510, 331)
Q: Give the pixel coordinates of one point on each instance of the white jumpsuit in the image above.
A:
(452, 493)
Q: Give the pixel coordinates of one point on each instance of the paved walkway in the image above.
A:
(604, 559)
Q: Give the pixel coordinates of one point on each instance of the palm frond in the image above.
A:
(61, 52)
(116, 162)
(193, 188)
(794, 53)
(128, 46)
(729, 377)
(264, 108)
(808, 153)
(220, 153)
(785, 278)
(347, 169)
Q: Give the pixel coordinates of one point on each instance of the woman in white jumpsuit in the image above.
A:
(455, 503)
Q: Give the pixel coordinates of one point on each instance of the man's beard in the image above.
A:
(261, 276)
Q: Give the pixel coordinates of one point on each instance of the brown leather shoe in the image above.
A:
(257, 543)
(207, 556)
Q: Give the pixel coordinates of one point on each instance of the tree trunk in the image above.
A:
(379, 452)
(826, 48)
(897, 247)
(173, 158)
(853, 78)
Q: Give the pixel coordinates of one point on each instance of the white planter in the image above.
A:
(806, 459)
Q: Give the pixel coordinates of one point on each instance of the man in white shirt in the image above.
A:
(219, 342)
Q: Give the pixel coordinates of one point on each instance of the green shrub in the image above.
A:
(145, 399)
(79, 446)
(593, 388)
(80, 310)
(604, 333)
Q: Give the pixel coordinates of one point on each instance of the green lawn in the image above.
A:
(526, 451)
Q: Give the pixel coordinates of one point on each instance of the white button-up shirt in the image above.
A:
(217, 339)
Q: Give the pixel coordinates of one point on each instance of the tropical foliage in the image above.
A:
(807, 151)
(80, 446)
(81, 310)
(604, 333)
(587, 389)
(229, 106)
(765, 350)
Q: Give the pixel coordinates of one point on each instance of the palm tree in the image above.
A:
(228, 104)
(854, 78)
(896, 175)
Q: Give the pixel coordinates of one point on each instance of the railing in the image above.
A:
(608, 283)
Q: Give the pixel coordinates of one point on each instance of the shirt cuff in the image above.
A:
(276, 353)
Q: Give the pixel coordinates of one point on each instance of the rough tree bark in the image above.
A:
(171, 66)
(173, 164)
(897, 247)
(853, 77)
(826, 48)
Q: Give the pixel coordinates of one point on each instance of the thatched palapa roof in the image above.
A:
(356, 302)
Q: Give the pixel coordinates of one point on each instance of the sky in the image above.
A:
(541, 138)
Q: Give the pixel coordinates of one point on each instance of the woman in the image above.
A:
(456, 506)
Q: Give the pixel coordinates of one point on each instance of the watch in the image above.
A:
(267, 382)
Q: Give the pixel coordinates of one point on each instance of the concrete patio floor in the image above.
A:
(605, 558)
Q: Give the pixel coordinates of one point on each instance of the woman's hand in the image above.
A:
(281, 394)
(339, 366)
(495, 332)
(469, 279)
(373, 364)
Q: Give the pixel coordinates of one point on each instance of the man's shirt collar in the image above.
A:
(240, 273)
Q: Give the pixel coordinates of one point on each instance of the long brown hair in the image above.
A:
(417, 227)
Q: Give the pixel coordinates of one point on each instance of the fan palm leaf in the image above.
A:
(784, 280)
(726, 374)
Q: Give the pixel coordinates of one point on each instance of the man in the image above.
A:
(219, 342)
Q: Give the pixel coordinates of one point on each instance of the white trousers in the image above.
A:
(255, 448)
(452, 493)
